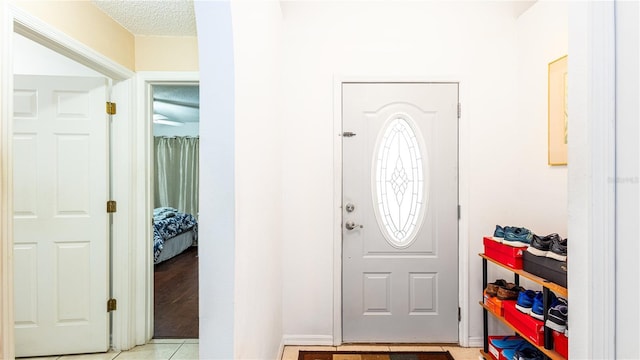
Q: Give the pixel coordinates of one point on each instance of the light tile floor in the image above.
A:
(156, 349)
(187, 349)
(458, 353)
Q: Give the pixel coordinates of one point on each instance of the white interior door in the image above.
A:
(60, 221)
(400, 212)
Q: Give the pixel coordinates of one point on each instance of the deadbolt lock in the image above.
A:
(349, 207)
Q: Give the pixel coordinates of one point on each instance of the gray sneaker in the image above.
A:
(558, 250)
(557, 318)
(540, 245)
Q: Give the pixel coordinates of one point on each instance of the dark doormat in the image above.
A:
(373, 355)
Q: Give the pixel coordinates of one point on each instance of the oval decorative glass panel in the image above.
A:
(399, 182)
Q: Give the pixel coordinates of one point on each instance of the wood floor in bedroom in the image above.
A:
(176, 297)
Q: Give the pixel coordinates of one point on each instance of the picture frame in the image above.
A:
(558, 111)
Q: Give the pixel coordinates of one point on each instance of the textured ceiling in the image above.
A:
(160, 18)
(152, 17)
(177, 102)
(186, 95)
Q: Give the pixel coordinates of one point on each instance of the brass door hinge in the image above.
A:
(111, 305)
(111, 206)
(111, 108)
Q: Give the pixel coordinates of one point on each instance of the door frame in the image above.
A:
(144, 201)
(15, 20)
(463, 197)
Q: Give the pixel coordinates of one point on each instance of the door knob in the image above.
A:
(350, 225)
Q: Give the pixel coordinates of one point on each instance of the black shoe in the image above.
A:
(540, 245)
(528, 354)
(558, 249)
(558, 315)
(557, 318)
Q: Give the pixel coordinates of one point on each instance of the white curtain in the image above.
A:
(177, 173)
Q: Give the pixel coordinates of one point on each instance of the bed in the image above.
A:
(173, 233)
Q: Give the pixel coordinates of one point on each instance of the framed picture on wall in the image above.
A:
(558, 115)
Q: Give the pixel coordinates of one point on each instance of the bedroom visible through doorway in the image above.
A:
(175, 172)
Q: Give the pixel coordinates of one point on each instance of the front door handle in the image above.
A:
(350, 225)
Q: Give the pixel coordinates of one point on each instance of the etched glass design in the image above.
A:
(399, 183)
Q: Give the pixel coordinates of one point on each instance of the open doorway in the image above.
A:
(175, 172)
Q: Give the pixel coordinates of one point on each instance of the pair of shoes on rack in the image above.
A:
(525, 300)
(498, 233)
(528, 354)
(492, 288)
(509, 292)
(516, 348)
(503, 290)
(512, 236)
(558, 315)
(532, 303)
(551, 246)
(508, 346)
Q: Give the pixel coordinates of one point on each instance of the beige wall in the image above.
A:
(84, 22)
(81, 20)
(166, 53)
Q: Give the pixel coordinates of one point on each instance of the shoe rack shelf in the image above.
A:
(546, 285)
(559, 290)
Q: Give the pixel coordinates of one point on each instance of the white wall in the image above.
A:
(542, 38)
(478, 44)
(579, 186)
(539, 191)
(471, 43)
(627, 178)
(241, 177)
(257, 28)
(217, 179)
(31, 58)
(504, 176)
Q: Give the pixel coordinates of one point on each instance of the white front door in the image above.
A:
(400, 212)
(60, 222)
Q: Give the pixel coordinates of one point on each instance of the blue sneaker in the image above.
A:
(525, 301)
(498, 233)
(511, 352)
(512, 343)
(508, 342)
(517, 237)
(537, 310)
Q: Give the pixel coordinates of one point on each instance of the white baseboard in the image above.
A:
(475, 341)
(302, 340)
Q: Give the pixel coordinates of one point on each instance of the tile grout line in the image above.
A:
(175, 352)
